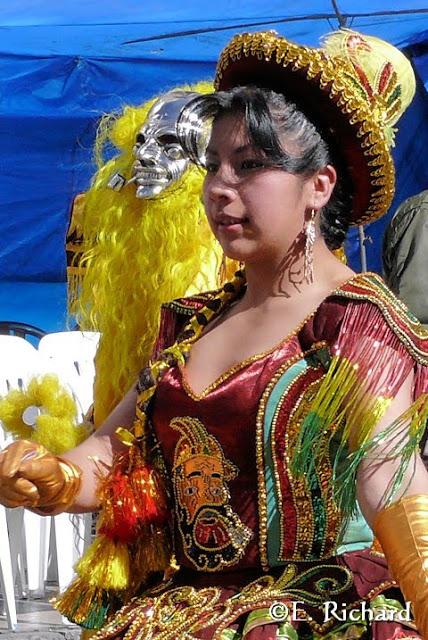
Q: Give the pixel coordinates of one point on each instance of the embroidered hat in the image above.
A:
(355, 88)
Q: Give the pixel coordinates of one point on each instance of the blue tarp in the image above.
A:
(61, 67)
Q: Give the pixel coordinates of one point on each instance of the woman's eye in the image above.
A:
(211, 167)
(252, 164)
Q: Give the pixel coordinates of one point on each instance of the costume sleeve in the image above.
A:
(377, 347)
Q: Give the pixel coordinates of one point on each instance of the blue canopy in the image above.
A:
(62, 67)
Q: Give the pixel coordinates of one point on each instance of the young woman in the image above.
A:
(282, 413)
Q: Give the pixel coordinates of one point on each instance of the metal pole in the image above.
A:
(340, 17)
(363, 253)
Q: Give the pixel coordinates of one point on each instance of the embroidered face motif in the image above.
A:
(213, 535)
(201, 483)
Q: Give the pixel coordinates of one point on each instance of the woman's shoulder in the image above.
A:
(176, 313)
(188, 305)
(368, 290)
(365, 304)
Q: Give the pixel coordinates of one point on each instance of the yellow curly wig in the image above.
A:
(137, 254)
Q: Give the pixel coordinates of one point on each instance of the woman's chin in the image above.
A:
(238, 256)
(239, 250)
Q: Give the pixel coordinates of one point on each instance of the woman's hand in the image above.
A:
(32, 477)
(16, 489)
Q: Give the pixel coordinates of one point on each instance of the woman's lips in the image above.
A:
(228, 223)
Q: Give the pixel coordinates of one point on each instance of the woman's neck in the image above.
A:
(285, 278)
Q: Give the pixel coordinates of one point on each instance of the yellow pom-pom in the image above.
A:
(55, 425)
(12, 407)
(59, 434)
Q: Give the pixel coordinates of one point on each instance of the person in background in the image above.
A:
(405, 255)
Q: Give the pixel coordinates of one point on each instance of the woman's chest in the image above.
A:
(266, 393)
(238, 341)
(228, 452)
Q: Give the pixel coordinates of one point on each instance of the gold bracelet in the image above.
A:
(66, 494)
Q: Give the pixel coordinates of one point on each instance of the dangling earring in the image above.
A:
(309, 248)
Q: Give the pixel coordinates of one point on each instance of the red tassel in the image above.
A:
(133, 497)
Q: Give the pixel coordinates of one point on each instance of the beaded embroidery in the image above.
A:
(213, 535)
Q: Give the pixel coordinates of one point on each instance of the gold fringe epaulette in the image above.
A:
(379, 345)
(370, 287)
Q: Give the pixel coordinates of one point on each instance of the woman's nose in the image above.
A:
(220, 187)
(219, 195)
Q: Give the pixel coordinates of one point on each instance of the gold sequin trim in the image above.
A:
(301, 495)
(262, 493)
(193, 303)
(183, 611)
(306, 515)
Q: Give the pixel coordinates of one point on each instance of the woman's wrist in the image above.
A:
(68, 486)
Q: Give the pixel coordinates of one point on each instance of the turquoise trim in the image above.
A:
(273, 512)
(357, 535)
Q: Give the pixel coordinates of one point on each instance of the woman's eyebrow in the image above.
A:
(241, 149)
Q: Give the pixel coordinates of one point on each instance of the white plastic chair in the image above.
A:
(6, 574)
(71, 354)
(19, 362)
(30, 533)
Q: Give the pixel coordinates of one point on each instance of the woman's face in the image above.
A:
(256, 212)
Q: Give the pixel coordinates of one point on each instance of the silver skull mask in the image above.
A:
(160, 159)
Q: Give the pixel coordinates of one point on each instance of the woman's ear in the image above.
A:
(323, 183)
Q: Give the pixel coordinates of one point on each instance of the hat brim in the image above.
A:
(329, 98)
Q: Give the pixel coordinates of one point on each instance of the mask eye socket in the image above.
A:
(174, 152)
(140, 139)
(171, 146)
(190, 491)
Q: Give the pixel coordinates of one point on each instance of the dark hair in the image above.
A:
(269, 116)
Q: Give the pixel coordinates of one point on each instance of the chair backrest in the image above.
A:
(19, 362)
(75, 345)
(71, 355)
(22, 330)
